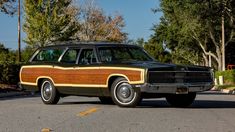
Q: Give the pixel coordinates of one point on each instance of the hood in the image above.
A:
(158, 66)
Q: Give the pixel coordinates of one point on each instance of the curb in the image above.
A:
(10, 94)
(228, 91)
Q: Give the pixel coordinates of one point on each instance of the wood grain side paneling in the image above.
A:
(76, 76)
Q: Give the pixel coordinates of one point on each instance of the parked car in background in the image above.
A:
(119, 73)
(230, 67)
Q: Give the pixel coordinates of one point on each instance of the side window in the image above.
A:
(48, 55)
(70, 56)
(87, 56)
(122, 54)
(105, 54)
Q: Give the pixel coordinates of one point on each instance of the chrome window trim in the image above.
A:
(66, 49)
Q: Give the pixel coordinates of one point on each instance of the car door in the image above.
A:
(87, 73)
(65, 70)
(68, 62)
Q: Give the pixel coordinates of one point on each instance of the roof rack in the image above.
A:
(80, 42)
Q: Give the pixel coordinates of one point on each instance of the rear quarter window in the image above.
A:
(48, 55)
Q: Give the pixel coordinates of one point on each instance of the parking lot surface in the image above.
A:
(211, 112)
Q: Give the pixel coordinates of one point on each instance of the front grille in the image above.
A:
(179, 77)
(161, 77)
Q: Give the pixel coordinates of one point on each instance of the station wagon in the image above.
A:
(123, 74)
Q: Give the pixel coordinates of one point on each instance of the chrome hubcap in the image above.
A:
(125, 93)
(47, 90)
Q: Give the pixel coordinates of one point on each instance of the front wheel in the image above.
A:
(123, 94)
(181, 100)
(49, 94)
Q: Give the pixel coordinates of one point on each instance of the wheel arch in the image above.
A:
(113, 77)
(40, 80)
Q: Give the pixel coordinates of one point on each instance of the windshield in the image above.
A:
(112, 54)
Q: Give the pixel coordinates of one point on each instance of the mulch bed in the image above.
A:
(5, 88)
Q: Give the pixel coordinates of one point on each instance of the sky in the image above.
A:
(138, 17)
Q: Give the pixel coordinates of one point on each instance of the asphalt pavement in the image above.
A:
(211, 112)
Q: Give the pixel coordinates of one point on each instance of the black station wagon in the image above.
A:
(116, 73)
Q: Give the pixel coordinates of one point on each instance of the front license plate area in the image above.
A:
(182, 90)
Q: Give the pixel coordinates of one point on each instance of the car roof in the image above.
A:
(86, 44)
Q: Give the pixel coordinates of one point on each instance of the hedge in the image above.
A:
(9, 72)
(228, 75)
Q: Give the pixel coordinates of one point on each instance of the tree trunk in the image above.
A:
(206, 62)
(219, 55)
(222, 43)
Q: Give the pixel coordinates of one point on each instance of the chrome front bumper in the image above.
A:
(174, 88)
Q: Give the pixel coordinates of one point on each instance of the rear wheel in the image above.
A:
(106, 100)
(49, 94)
(123, 94)
(181, 100)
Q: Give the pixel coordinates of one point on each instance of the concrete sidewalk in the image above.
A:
(228, 91)
(225, 91)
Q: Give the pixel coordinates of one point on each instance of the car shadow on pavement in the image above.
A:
(198, 104)
(153, 103)
(80, 102)
(207, 104)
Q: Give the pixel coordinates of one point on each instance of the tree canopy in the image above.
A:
(6, 55)
(192, 29)
(96, 26)
(47, 21)
(61, 20)
(8, 6)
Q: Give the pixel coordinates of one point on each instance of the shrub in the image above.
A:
(9, 72)
(228, 75)
(9, 68)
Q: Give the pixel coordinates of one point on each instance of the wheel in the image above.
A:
(49, 94)
(181, 100)
(106, 100)
(123, 94)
